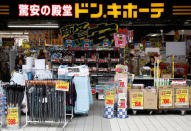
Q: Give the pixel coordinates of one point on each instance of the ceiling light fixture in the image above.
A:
(34, 26)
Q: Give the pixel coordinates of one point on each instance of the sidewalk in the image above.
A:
(95, 122)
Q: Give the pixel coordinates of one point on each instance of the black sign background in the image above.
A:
(141, 3)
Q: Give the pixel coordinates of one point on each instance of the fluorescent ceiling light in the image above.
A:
(13, 33)
(154, 35)
(35, 26)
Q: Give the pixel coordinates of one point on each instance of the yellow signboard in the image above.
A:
(109, 98)
(166, 98)
(12, 116)
(62, 85)
(181, 97)
(137, 100)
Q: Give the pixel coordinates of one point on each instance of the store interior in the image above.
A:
(58, 72)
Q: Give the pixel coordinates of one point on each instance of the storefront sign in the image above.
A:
(62, 85)
(137, 100)
(166, 98)
(181, 97)
(12, 116)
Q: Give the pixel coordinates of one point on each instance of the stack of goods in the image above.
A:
(142, 98)
(121, 81)
(14, 97)
(109, 102)
(2, 106)
(117, 94)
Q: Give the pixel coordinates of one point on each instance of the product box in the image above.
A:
(135, 98)
(150, 98)
(166, 97)
(138, 86)
(181, 97)
(166, 76)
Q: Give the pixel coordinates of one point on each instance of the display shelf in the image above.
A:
(67, 60)
(103, 69)
(80, 60)
(114, 60)
(103, 60)
(90, 60)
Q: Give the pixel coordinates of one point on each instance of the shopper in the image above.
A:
(132, 64)
(151, 62)
(41, 54)
(19, 61)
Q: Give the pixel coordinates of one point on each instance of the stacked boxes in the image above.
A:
(142, 98)
(150, 99)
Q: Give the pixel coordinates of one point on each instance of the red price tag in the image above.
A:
(109, 102)
(11, 121)
(182, 100)
(166, 101)
(137, 104)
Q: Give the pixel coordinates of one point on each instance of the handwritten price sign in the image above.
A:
(137, 100)
(62, 85)
(181, 97)
(12, 116)
(109, 98)
(166, 98)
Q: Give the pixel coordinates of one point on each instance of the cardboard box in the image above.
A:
(166, 76)
(135, 97)
(138, 86)
(189, 96)
(166, 98)
(181, 97)
(150, 99)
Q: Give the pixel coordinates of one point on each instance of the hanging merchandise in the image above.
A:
(18, 78)
(106, 43)
(120, 40)
(47, 101)
(69, 43)
(82, 85)
(129, 34)
(86, 42)
(121, 69)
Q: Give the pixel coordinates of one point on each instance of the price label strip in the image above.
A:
(62, 86)
(166, 98)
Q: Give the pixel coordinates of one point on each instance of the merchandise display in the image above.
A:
(95, 64)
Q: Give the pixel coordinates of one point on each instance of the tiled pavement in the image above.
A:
(95, 122)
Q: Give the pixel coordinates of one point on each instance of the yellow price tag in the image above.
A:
(62, 85)
(166, 98)
(181, 96)
(109, 97)
(137, 100)
(12, 116)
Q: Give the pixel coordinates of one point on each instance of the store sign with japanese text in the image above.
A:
(133, 9)
(129, 10)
